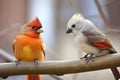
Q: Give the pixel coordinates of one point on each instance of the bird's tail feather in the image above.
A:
(115, 73)
(33, 77)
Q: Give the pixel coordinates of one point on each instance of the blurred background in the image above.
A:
(54, 15)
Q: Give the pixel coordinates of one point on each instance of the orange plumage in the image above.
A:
(28, 46)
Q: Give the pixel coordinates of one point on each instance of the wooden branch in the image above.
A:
(59, 67)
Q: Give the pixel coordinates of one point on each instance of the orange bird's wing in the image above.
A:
(99, 40)
(43, 47)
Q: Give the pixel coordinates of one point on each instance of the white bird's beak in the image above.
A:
(39, 30)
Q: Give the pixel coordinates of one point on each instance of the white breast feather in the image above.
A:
(80, 41)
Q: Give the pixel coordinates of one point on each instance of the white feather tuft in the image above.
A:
(78, 16)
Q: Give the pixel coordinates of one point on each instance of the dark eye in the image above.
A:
(73, 26)
(33, 27)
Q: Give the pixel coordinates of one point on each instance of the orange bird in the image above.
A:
(29, 46)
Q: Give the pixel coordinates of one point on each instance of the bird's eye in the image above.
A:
(73, 26)
(33, 27)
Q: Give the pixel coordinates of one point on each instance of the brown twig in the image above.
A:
(106, 21)
(101, 13)
(6, 56)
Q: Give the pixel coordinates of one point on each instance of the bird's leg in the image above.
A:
(36, 62)
(88, 57)
(17, 62)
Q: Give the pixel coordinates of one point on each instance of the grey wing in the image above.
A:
(99, 40)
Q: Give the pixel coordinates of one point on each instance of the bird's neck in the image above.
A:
(77, 33)
(33, 34)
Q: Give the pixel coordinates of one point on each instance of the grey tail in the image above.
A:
(114, 70)
(115, 73)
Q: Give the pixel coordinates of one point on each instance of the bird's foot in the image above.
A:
(36, 62)
(88, 57)
(17, 62)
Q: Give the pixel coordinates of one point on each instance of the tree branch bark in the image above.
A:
(59, 67)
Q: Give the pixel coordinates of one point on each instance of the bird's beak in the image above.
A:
(69, 31)
(39, 30)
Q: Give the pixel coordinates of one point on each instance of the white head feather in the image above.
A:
(78, 23)
(74, 19)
